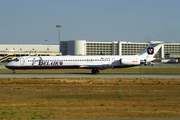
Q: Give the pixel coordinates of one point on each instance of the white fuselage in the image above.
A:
(89, 62)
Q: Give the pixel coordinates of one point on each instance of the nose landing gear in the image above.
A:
(13, 71)
(95, 71)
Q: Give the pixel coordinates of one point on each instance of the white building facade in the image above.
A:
(73, 47)
(28, 48)
(82, 47)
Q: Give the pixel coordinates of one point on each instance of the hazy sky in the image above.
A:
(34, 21)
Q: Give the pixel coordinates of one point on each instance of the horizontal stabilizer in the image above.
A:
(156, 42)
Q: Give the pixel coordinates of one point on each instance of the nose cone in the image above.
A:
(9, 65)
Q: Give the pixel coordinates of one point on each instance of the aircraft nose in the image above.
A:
(8, 65)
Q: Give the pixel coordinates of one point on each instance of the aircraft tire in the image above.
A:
(13, 71)
(95, 71)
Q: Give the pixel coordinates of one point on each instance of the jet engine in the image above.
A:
(130, 61)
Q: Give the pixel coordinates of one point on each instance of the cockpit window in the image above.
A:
(16, 59)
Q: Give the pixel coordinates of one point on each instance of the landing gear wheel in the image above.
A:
(95, 71)
(13, 71)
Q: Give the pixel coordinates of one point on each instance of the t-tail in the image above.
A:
(150, 51)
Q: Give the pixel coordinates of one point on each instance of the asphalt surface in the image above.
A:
(89, 75)
(177, 65)
(101, 75)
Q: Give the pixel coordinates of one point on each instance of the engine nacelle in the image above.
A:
(130, 62)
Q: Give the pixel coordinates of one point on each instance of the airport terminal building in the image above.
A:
(83, 47)
(28, 48)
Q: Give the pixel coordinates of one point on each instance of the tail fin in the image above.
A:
(150, 51)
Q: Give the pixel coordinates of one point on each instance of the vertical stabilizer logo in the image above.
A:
(150, 50)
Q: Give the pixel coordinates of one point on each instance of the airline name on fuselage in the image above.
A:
(56, 63)
(60, 62)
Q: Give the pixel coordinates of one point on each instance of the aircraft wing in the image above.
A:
(103, 66)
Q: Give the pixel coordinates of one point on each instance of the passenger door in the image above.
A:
(22, 61)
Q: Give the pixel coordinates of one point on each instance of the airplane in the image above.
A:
(96, 63)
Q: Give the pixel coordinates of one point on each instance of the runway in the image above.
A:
(89, 75)
(101, 75)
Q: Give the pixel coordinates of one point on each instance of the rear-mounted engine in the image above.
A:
(130, 62)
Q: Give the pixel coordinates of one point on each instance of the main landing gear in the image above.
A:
(95, 71)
